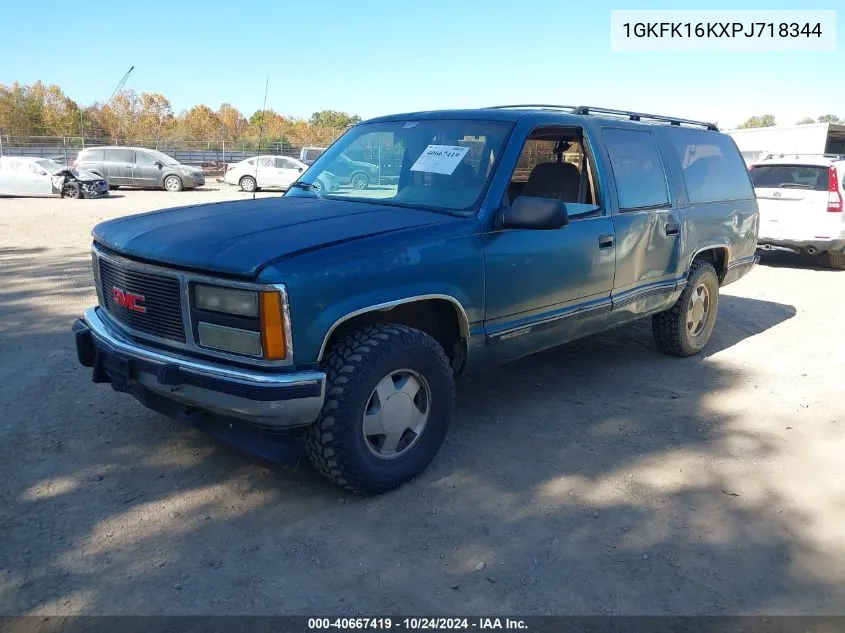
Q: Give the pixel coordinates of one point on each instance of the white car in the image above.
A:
(801, 205)
(264, 172)
(22, 176)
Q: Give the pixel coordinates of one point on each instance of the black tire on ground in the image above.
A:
(671, 332)
(336, 443)
(173, 183)
(835, 260)
(248, 184)
(72, 190)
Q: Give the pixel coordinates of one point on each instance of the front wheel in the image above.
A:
(388, 405)
(173, 183)
(686, 327)
(71, 190)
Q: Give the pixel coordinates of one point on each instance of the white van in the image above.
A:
(801, 205)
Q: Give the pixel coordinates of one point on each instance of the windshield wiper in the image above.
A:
(304, 185)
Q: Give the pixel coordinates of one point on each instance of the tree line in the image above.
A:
(148, 118)
(768, 120)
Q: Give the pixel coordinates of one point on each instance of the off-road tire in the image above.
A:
(71, 190)
(835, 260)
(336, 444)
(669, 327)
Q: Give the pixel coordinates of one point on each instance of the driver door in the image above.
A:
(546, 287)
(288, 171)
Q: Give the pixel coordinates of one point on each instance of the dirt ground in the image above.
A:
(599, 477)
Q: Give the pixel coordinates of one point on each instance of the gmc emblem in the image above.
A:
(128, 300)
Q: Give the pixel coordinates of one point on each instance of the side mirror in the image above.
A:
(159, 164)
(527, 212)
(299, 169)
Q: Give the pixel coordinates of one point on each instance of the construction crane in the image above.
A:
(121, 83)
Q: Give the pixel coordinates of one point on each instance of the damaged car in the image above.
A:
(21, 176)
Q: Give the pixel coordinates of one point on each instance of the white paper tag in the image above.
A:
(440, 159)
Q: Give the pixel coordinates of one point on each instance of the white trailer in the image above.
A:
(814, 138)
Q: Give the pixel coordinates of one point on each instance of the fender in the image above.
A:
(463, 320)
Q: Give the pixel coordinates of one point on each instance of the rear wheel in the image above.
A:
(686, 327)
(248, 184)
(173, 183)
(388, 405)
(835, 260)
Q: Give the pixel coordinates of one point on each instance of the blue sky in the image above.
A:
(375, 57)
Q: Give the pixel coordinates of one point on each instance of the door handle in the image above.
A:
(605, 241)
(672, 228)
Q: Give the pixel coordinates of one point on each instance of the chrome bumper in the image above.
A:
(276, 400)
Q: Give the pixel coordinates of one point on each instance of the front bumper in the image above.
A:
(269, 400)
(194, 180)
(801, 246)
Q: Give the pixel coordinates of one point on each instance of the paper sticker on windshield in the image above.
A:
(440, 159)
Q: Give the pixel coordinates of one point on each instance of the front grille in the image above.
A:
(162, 300)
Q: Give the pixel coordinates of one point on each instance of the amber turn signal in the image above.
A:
(272, 326)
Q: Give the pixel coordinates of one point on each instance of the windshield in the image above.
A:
(439, 164)
(51, 167)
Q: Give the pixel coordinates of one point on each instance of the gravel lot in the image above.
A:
(600, 477)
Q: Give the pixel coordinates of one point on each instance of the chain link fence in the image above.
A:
(196, 152)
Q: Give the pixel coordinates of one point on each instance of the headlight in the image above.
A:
(268, 339)
(228, 300)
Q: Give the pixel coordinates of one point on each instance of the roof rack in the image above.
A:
(633, 116)
(802, 154)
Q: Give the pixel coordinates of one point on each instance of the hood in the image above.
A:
(79, 174)
(242, 237)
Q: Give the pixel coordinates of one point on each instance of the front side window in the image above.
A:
(637, 168)
(438, 164)
(713, 167)
(554, 163)
(147, 160)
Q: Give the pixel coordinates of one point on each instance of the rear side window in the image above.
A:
(790, 176)
(637, 168)
(91, 155)
(712, 166)
(120, 155)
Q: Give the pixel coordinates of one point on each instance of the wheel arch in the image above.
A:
(717, 254)
(167, 175)
(441, 316)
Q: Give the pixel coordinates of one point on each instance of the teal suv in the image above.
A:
(339, 319)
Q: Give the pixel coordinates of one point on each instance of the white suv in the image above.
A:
(801, 205)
